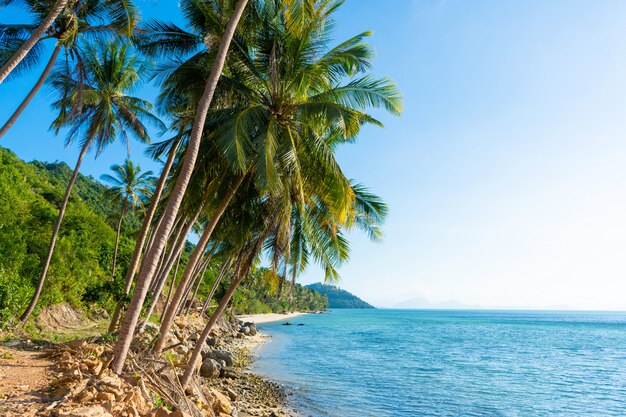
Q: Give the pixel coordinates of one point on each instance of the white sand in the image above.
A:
(266, 318)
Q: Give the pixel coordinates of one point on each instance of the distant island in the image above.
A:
(338, 298)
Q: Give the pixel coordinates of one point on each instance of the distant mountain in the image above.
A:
(338, 298)
(422, 303)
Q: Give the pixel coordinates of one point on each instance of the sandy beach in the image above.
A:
(270, 317)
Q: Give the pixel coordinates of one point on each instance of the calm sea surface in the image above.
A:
(361, 363)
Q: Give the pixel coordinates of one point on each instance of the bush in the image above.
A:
(15, 293)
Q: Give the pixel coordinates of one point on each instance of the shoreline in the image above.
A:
(237, 388)
(251, 348)
(270, 317)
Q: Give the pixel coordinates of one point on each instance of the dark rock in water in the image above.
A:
(210, 369)
(300, 324)
(287, 324)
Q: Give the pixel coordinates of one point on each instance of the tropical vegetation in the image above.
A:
(337, 297)
(257, 97)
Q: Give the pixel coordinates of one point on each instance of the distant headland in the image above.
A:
(338, 298)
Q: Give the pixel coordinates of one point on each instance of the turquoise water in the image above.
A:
(361, 363)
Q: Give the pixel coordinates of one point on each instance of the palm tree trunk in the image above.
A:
(214, 287)
(21, 53)
(147, 220)
(171, 210)
(191, 365)
(191, 284)
(194, 283)
(33, 91)
(198, 283)
(167, 260)
(159, 271)
(117, 238)
(170, 314)
(129, 277)
(177, 251)
(120, 304)
(150, 242)
(169, 292)
(207, 329)
(55, 233)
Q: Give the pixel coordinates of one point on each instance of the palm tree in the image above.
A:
(171, 210)
(22, 51)
(320, 236)
(97, 110)
(145, 226)
(284, 99)
(131, 188)
(281, 97)
(78, 20)
(169, 315)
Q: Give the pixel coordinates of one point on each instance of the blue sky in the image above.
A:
(506, 173)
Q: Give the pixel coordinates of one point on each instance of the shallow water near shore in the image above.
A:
(361, 363)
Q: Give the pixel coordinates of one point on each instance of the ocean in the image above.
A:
(413, 363)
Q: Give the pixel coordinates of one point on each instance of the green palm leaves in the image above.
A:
(97, 107)
(79, 20)
(129, 185)
(285, 101)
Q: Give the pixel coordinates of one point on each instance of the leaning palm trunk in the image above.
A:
(55, 234)
(21, 53)
(142, 238)
(117, 238)
(169, 292)
(217, 282)
(168, 259)
(33, 91)
(195, 291)
(120, 304)
(176, 253)
(207, 329)
(154, 202)
(195, 284)
(171, 210)
(243, 271)
(170, 314)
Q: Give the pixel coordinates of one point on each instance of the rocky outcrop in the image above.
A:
(220, 356)
(210, 368)
(86, 387)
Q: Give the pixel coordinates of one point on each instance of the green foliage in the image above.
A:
(338, 298)
(258, 294)
(30, 194)
(14, 291)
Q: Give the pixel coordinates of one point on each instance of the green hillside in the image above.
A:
(338, 298)
(80, 273)
(30, 194)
